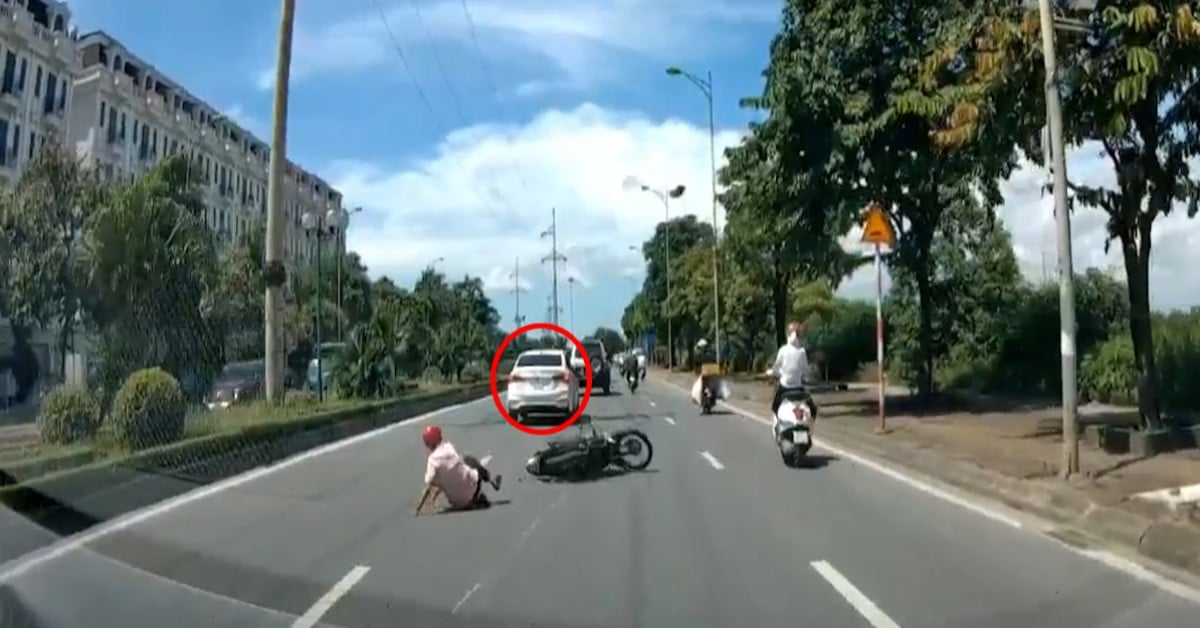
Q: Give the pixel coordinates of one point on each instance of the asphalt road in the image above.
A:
(717, 533)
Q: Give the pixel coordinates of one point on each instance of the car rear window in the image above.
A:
(540, 359)
(593, 350)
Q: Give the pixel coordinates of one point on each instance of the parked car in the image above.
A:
(328, 352)
(238, 382)
(541, 382)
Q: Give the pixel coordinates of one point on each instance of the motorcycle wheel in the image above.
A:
(636, 441)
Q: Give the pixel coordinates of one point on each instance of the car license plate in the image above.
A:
(800, 437)
(541, 383)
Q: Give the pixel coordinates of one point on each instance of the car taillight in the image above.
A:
(800, 412)
(515, 378)
(565, 376)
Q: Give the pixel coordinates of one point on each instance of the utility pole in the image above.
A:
(276, 271)
(554, 258)
(515, 275)
(1066, 274)
(571, 301)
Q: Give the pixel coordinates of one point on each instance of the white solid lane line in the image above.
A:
(669, 420)
(860, 602)
(712, 460)
(653, 405)
(331, 597)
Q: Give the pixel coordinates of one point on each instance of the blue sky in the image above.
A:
(510, 108)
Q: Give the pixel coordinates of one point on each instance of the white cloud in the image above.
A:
(578, 42)
(484, 196)
(466, 202)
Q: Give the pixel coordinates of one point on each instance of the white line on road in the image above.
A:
(331, 597)
(486, 459)
(653, 405)
(669, 420)
(860, 602)
(62, 547)
(712, 460)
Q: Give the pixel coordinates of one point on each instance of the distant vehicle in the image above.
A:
(328, 352)
(601, 376)
(238, 383)
(541, 382)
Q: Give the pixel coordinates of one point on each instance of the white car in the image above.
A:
(541, 382)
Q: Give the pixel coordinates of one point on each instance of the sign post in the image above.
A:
(877, 231)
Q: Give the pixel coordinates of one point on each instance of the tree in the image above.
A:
(239, 294)
(150, 267)
(1130, 84)
(44, 219)
(685, 233)
(613, 341)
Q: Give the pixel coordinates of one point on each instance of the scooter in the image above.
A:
(707, 399)
(633, 379)
(793, 426)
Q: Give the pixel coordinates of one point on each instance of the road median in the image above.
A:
(75, 490)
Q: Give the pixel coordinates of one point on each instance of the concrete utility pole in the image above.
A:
(554, 258)
(276, 272)
(1066, 273)
(515, 275)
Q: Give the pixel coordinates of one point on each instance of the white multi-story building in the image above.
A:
(38, 54)
(126, 116)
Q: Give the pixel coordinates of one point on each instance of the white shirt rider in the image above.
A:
(791, 362)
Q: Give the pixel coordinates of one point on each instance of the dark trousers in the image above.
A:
(484, 474)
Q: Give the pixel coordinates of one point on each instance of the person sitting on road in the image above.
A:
(791, 369)
(459, 478)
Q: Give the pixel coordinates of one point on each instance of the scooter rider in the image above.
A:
(791, 367)
(629, 366)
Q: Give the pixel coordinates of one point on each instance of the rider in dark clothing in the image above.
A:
(629, 366)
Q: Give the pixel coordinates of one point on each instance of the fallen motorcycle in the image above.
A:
(590, 453)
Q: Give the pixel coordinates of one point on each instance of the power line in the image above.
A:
(429, 105)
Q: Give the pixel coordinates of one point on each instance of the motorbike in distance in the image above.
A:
(794, 421)
(633, 379)
(591, 453)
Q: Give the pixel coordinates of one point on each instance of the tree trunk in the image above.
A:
(779, 305)
(1136, 255)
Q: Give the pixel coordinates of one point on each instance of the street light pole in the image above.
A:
(665, 197)
(1066, 273)
(275, 271)
(322, 226)
(706, 87)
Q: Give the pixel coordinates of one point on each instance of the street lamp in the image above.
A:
(705, 85)
(665, 196)
(341, 246)
(320, 226)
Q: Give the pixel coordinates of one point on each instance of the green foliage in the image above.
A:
(613, 340)
(148, 410)
(68, 415)
(366, 367)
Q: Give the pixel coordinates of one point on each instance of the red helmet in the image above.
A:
(432, 435)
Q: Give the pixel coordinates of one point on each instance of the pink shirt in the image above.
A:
(446, 470)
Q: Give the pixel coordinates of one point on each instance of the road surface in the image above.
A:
(718, 533)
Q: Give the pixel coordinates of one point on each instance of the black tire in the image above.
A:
(607, 390)
(623, 435)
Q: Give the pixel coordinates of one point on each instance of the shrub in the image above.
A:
(475, 372)
(148, 410)
(69, 414)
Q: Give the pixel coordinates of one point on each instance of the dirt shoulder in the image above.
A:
(1010, 451)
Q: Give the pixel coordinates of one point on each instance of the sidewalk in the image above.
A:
(1009, 451)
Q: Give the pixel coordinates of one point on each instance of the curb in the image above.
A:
(1153, 531)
